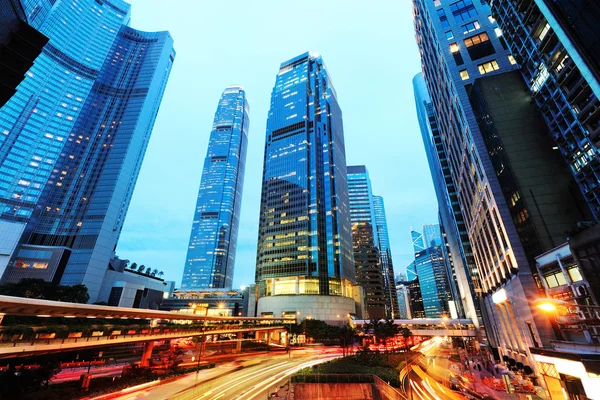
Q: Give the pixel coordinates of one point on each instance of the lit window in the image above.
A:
(449, 35)
(491, 19)
(477, 39)
(498, 31)
(540, 78)
(470, 27)
(464, 75)
(453, 48)
(575, 274)
(512, 59)
(544, 32)
(488, 67)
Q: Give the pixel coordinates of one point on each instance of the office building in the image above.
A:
(37, 121)
(415, 298)
(20, 45)
(387, 265)
(210, 258)
(82, 208)
(468, 288)
(556, 45)
(513, 190)
(304, 260)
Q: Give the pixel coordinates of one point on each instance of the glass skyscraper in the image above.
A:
(513, 190)
(468, 287)
(304, 258)
(211, 253)
(387, 265)
(37, 121)
(93, 147)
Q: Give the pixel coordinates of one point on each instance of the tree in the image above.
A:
(141, 268)
(346, 335)
(385, 330)
(148, 271)
(133, 266)
(40, 289)
(154, 272)
(160, 274)
(406, 333)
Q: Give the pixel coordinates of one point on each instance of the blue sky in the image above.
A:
(371, 55)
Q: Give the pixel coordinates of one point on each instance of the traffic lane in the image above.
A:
(248, 384)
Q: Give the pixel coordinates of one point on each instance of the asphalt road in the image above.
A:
(253, 377)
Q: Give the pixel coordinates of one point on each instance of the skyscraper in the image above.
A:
(304, 237)
(77, 222)
(211, 252)
(556, 44)
(500, 164)
(451, 218)
(431, 267)
(387, 265)
(37, 121)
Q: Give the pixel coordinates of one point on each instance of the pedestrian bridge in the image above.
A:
(433, 326)
(151, 327)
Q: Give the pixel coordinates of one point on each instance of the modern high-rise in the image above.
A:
(431, 269)
(513, 189)
(210, 258)
(36, 123)
(415, 299)
(468, 288)
(365, 241)
(556, 45)
(80, 212)
(20, 44)
(387, 265)
(305, 262)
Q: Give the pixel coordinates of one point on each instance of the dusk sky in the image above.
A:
(370, 52)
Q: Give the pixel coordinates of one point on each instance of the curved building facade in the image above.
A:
(304, 238)
(211, 253)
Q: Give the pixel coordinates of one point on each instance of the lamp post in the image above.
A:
(550, 305)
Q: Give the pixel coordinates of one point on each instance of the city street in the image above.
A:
(247, 378)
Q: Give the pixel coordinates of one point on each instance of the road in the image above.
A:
(247, 379)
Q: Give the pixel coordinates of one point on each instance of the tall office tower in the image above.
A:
(79, 217)
(451, 219)
(514, 191)
(37, 121)
(415, 299)
(20, 45)
(365, 241)
(556, 43)
(431, 267)
(417, 240)
(387, 265)
(403, 299)
(369, 274)
(304, 236)
(211, 253)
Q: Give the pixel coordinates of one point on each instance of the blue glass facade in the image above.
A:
(305, 238)
(468, 288)
(37, 121)
(211, 254)
(387, 265)
(80, 214)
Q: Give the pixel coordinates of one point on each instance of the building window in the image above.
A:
(544, 32)
(443, 19)
(449, 35)
(464, 75)
(540, 78)
(458, 58)
(488, 67)
(498, 32)
(479, 46)
(556, 279)
(512, 59)
(40, 265)
(115, 296)
(437, 3)
(575, 274)
(470, 27)
(463, 10)
(453, 47)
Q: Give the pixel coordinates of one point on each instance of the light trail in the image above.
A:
(229, 386)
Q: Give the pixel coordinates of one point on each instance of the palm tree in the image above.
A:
(133, 266)
(346, 335)
(406, 333)
(141, 268)
(160, 274)
(154, 272)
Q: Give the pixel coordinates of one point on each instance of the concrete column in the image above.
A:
(238, 345)
(269, 338)
(147, 354)
(272, 286)
(297, 285)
